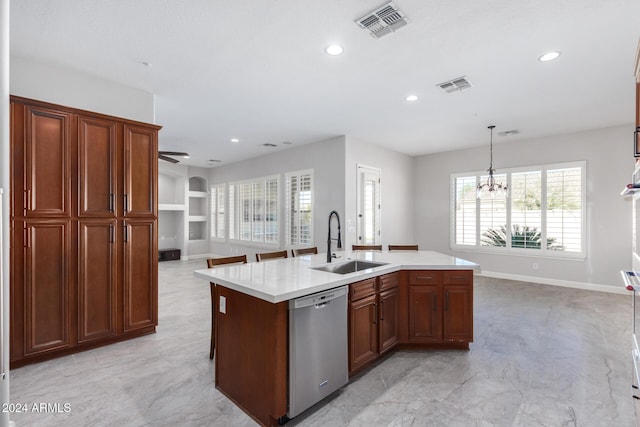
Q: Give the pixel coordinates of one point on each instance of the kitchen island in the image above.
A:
(414, 299)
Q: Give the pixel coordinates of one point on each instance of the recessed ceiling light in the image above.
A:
(550, 56)
(334, 50)
(147, 64)
(411, 98)
(235, 140)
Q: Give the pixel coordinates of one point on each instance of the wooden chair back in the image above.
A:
(271, 255)
(403, 247)
(240, 259)
(304, 251)
(212, 262)
(366, 247)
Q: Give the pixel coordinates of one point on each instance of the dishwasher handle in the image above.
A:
(319, 300)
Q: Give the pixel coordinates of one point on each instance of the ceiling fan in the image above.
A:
(164, 155)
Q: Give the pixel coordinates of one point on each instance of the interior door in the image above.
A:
(369, 206)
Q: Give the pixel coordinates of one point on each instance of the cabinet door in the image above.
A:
(140, 274)
(458, 313)
(97, 279)
(388, 326)
(46, 162)
(363, 332)
(96, 167)
(46, 285)
(425, 313)
(140, 171)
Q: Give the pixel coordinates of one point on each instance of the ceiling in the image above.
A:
(256, 70)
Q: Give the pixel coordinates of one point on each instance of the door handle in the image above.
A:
(27, 236)
(27, 200)
(375, 313)
(111, 233)
(111, 202)
(382, 310)
(126, 204)
(126, 233)
(636, 148)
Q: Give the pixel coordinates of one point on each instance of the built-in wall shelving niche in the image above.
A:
(198, 208)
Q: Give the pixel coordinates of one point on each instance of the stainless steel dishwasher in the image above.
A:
(318, 352)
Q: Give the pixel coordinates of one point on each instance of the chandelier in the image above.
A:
(491, 185)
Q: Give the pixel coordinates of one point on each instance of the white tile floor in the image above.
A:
(542, 356)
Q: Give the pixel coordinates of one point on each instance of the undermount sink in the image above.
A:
(349, 266)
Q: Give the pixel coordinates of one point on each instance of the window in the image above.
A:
(369, 205)
(253, 211)
(299, 208)
(543, 213)
(217, 211)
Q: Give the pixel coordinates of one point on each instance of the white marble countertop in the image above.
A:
(284, 279)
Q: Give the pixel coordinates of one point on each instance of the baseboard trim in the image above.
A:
(199, 256)
(556, 282)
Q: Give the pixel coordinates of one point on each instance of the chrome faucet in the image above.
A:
(329, 239)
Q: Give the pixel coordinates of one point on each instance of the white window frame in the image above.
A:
(288, 203)
(215, 211)
(234, 224)
(543, 252)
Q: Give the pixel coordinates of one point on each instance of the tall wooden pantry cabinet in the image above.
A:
(83, 230)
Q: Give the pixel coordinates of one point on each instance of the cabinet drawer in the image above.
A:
(389, 281)
(462, 277)
(425, 277)
(362, 289)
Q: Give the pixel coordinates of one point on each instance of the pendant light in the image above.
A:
(491, 185)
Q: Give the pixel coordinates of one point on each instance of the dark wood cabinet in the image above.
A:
(140, 171)
(373, 319)
(97, 183)
(425, 313)
(363, 332)
(83, 229)
(457, 322)
(97, 279)
(440, 306)
(638, 102)
(388, 328)
(140, 274)
(40, 260)
(41, 178)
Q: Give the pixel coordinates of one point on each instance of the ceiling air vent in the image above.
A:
(268, 144)
(509, 132)
(455, 85)
(384, 20)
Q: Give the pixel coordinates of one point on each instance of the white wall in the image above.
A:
(4, 217)
(608, 153)
(326, 158)
(73, 88)
(397, 191)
